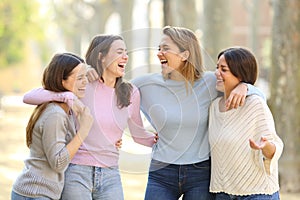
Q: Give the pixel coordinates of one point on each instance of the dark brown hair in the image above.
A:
(101, 44)
(242, 63)
(59, 68)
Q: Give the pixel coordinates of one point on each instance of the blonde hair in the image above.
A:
(186, 40)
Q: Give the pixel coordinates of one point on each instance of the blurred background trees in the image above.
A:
(285, 88)
(17, 25)
(32, 30)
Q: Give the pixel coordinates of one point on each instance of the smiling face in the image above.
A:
(77, 81)
(169, 55)
(226, 81)
(115, 60)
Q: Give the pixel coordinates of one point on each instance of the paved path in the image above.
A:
(13, 151)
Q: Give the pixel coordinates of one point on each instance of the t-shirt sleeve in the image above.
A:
(40, 95)
(135, 123)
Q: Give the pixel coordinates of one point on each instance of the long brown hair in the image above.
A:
(101, 44)
(59, 68)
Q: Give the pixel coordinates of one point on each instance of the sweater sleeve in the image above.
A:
(252, 90)
(135, 123)
(266, 127)
(54, 141)
(274, 138)
(270, 164)
(39, 95)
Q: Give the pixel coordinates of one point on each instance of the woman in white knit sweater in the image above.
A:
(244, 145)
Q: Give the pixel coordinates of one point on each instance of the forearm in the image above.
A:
(39, 95)
(147, 140)
(269, 150)
(139, 134)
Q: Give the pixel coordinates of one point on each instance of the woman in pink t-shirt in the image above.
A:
(114, 104)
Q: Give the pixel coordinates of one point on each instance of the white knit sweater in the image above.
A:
(236, 168)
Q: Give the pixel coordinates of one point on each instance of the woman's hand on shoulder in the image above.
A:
(119, 144)
(237, 96)
(77, 106)
(92, 74)
(267, 147)
(85, 120)
(156, 137)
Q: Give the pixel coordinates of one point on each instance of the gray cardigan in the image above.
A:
(43, 173)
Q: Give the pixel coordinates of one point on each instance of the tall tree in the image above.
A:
(186, 14)
(180, 13)
(253, 9)
(126, 25)
(216, 30)
(168, 12)
(285, 88)
(89, 18)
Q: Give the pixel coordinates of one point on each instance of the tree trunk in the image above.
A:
(254, 26)
(216, 30)
(96, 24)
(180, 13)
(168, 17)
(285, 89)
(186, 14)
(126, 26)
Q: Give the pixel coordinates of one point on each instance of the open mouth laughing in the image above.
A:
(163, 62)
(121, 65)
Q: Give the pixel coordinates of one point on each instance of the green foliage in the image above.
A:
(16, 26)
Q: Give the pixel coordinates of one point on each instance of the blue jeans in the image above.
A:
(224, 196)
(91, 183)
(169, 181)
(15, 196)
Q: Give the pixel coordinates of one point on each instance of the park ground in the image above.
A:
(134, 159)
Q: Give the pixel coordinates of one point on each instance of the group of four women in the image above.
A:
(211, 142)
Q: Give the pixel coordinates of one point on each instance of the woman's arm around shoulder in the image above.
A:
(40, 95)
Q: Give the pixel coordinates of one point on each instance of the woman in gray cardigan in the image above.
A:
(52, 135)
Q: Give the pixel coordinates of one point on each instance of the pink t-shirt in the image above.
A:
(110, 122)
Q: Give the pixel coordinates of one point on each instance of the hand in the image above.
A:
(77, 106)
(119, 144)
(85, 121)
(92, 74)
(155, 137)
(268, 148)
(260, 145)
(237, 96)
(67, 97)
